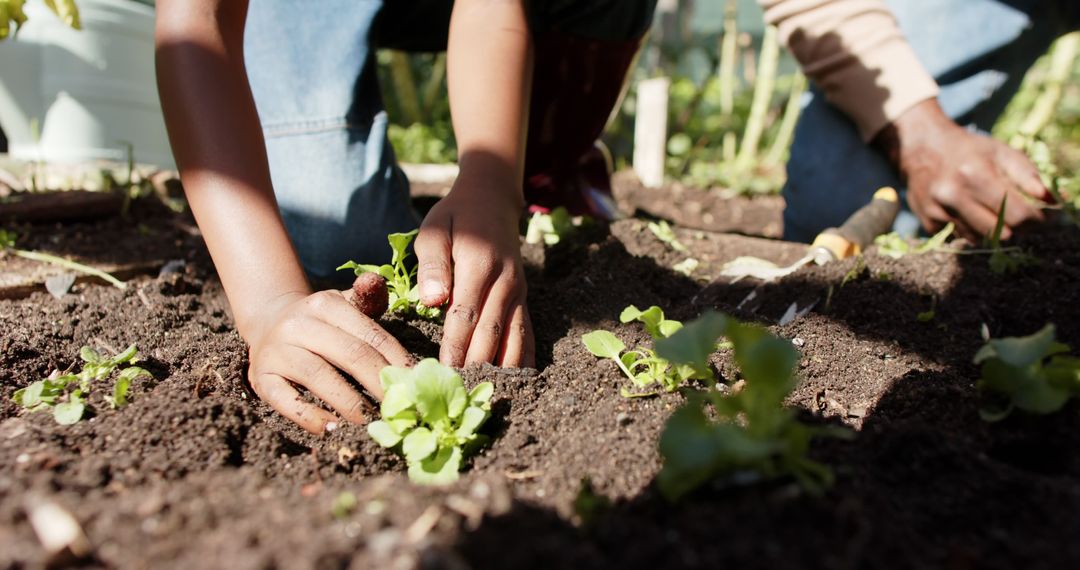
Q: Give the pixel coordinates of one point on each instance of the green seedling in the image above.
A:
(549, 228)
(665, 233)
(65, 394)
(344, 505)
(687, 266)
(1006, 260)
(1033, 374)
(894, 246)
(431, 419)
(404, 294)
(7, 245)
(747, 430)
(641, 365)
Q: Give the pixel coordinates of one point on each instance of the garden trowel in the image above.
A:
(850, 239)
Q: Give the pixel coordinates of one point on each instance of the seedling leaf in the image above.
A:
(603, 344)
(383, 434)
(1031, 373)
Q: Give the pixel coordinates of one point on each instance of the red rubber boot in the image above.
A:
(577, 84)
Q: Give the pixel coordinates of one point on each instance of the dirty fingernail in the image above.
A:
(432, 290)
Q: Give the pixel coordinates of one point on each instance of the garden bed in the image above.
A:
(196, 472)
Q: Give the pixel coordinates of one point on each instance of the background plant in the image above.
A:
(1033, 374)
(65, 394)
(721, 433)
(642, 365)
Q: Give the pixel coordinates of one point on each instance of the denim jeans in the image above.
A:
(977, 50)
(312, 72)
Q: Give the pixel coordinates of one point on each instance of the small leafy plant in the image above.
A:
(430, 419)
(1033, 374)
(550, 228)
(404, 294)
(894, 246)
(641, 365)
(747, 430)
(65, 394)
(665, 233)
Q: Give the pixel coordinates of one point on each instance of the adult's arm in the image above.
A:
(296, 336)
(854, 51)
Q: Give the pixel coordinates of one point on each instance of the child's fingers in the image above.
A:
(283, 397)
(343, 316)
(348, 353)
(517, 348)
(303, 367)
(493, 324)
(470, 290)
(433, 257)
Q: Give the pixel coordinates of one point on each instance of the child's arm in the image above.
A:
(468, 247)
(296, 337)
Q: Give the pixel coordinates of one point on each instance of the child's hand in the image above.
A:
(469, 253)
(305, 341)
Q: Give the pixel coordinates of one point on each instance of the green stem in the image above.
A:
(68, 264)
(405, 87)
(763, 92)
(787, 124)
(729, 54)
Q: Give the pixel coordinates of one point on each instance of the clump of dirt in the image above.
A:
(197, 472)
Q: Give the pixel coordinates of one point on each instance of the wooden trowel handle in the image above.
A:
(862, 227)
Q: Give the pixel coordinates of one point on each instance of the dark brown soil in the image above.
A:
(195, 472)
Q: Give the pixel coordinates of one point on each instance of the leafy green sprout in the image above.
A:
(550, 228)
(404, 294)
(431, 419)
(641, 365)
(665, 233)
(1033, 374)
(894, 246)
(66, 393)
(748, 430)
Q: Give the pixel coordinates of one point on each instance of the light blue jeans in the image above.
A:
(312, 72)
(977, 50)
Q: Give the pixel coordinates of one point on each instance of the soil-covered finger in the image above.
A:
(283, 397)
(316, 372)
(367, 331)
(347, 353)
(518, 345)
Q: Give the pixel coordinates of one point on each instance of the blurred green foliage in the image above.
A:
(704, 136)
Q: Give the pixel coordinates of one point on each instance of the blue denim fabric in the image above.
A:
(977, 50)
(312, 73)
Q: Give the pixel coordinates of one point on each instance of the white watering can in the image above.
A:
(71, 96)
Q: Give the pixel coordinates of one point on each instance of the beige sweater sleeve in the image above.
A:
(855, 53)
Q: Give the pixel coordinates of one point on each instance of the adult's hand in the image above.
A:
(469, 254)
(954, 175)
(306, 339)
